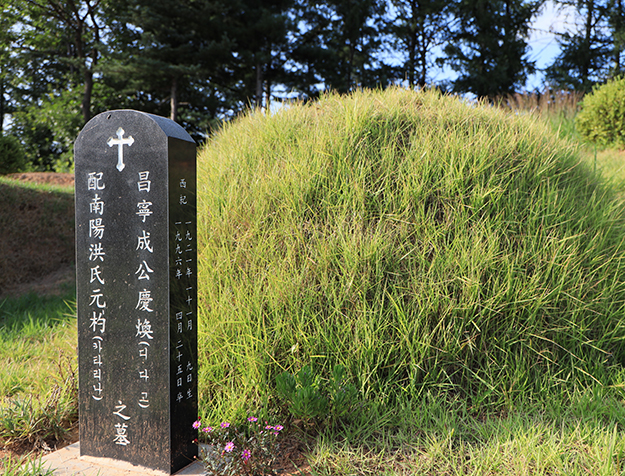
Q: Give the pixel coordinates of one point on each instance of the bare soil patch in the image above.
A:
(52, 178)
(291, 461)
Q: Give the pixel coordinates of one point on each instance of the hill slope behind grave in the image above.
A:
(423, 243)
(36, 232)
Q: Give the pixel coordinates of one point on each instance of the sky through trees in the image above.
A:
(200, 62)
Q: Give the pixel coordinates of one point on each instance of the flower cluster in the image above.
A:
(275, 430)
(245, 449)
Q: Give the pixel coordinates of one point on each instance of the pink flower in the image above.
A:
(196, 424)
(278, 427)
(247, 454)
(252, 419)
(208, 429)
(225, 424)
(229, 447)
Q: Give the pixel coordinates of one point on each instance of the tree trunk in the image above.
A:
(1, 107)
(422, 51)
(85, 105)
(350, 66)
(617, 35)
(173, 101)
(590, 7)
(258, 98)
(423, 70)
(412, 55)
(86, 97)
(412, 45)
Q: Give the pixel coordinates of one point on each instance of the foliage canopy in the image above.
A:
(201, 62)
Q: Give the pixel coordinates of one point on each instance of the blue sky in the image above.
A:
(542, 42)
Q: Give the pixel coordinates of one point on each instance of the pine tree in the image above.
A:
(259, 31)
(585, 51)
(156, 49)
(338, 46)
(213, 57)
(489, 47)
(419, 27)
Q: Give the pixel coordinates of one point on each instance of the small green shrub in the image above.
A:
(307, 397)
(602, 118)
(12, 157)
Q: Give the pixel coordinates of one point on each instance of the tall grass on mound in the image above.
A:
(422, 243)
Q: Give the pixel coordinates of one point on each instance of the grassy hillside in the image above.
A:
(36, 231)
(38, 379)
(425, 244)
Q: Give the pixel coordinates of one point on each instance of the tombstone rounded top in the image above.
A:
(142, 119)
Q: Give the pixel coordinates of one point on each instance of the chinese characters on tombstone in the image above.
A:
(136, 269)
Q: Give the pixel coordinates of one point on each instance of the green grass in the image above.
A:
(463, 264)
(513, 445)
(419, 242)
(435, 436)
(38, 375)
(24, 466)
(610, 163)
(432, 248)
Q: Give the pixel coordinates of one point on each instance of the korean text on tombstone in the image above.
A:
(136, 268)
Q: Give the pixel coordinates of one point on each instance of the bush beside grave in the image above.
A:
(12, 156)
(422, 243)
(602, 117)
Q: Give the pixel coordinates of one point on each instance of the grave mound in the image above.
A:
(422, 242)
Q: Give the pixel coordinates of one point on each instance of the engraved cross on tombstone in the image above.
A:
(120, 142)
(136, 284)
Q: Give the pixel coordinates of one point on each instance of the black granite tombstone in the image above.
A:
(136, 272)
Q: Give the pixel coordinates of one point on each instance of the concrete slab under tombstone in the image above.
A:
(68, 462)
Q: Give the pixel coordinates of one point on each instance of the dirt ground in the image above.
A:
(52, 178)
(37, 255)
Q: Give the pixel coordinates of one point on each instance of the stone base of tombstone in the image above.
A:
(136, 271)
(68, 462)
